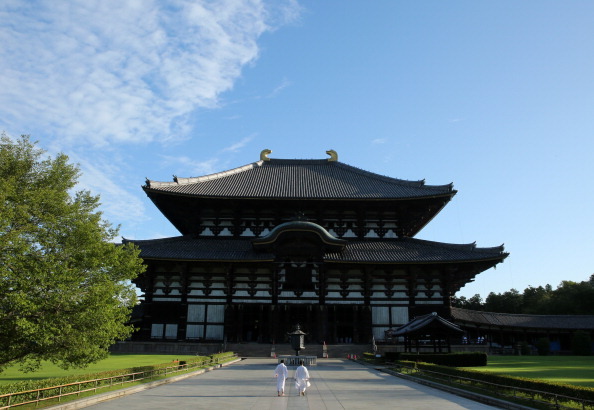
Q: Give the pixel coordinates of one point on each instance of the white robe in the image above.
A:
(281, 373)
(301, 378)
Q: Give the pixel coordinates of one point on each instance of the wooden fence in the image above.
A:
(40, 396)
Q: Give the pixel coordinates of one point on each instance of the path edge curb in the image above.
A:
(99, 398)
(450, 389)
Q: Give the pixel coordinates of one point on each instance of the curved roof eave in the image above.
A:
(298, 179)
(276, 198)
(301, 226)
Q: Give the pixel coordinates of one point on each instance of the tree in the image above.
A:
(65, 290)
(473, 303)
(507, 302)
(536, 301)
(573, 298)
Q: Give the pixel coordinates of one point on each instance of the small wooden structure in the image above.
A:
(428, 331)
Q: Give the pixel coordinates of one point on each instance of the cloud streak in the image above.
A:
(105, 71)
(95, 78)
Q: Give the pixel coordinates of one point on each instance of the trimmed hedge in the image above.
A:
(392, 356)
(461, 359)
(578, 392)
(92, 379)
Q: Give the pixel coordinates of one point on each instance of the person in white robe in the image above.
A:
(301, 378)
(281, 373)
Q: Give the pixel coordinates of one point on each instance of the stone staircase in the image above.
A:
(241, 349)
(264, 350)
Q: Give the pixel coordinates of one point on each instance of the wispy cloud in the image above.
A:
(239, 145)
(278, 89)
(203, 167)
(179, 163)
(379, 141)
(97, 77)
(105, 71)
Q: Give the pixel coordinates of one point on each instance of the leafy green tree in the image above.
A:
(473, 303)
(65, 290)
(572, 298)
(536, 301)
(506, 302)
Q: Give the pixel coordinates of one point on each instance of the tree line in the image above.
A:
(570, 298)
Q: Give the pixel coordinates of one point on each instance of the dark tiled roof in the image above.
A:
(212, 249)
(523, 321)
(417, 250)
(402, 250)
(285, 178)
(431, 321)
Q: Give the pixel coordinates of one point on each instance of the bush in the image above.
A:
(543, 346)
(462, 359)
(581, 344)
(392, 356)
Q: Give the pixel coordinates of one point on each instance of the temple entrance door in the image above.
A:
(303, 315)
(341, 320)
(254, 323)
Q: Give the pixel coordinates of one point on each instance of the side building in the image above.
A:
(315, 242)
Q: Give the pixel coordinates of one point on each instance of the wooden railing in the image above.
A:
(40, 396)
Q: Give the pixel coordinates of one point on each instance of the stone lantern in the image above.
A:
(297, 339)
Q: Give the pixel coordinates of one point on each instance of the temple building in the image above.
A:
(315, 242)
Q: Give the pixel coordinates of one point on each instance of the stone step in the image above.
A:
(265, 350)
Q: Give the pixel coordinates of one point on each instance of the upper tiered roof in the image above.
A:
(299, 179)
(280, 188)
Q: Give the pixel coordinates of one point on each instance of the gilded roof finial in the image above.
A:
(333, 155)
(264, 155)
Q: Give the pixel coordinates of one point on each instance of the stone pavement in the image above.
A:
(249, 384)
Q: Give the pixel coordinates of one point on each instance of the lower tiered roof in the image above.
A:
(393, 251)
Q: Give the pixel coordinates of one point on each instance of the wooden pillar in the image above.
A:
(333, 329)
(262, 329)
(323, 323)
(240, 323)
(411, 291)
(183, 319)
(310, 324)
(322, 284)
(355, 329)
(272, 323)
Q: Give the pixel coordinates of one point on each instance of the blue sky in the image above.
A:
(496, 97)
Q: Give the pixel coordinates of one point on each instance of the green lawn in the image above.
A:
(576, 370)
(114, 362)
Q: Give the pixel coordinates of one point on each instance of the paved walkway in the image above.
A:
(249, 384)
